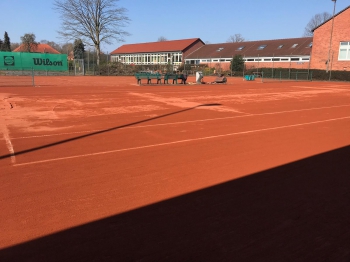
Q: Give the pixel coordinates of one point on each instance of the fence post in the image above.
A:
(262, 76)
(33, 76)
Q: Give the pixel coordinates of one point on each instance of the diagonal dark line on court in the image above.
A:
(103, 131)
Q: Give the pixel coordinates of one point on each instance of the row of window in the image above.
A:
(261, 47)
(149, 58)
(252, 59)
(278, 59)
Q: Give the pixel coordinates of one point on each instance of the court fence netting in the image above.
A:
(17, 78)
(20, 68)
(280, 76)
(25, 77)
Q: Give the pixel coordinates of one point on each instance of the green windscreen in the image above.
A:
(33, 61)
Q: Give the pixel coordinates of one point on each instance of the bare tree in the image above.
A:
(162, 39)
(28, 43)
(67, 48)
(315, 21)
(14, 45)
(235, 38)
(93, 21)
(53, 44)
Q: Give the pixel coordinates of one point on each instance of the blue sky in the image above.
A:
(211, 21)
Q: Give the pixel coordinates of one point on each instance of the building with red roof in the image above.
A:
(162, 53)
(283, 53)
(40, 48)
(328, 48)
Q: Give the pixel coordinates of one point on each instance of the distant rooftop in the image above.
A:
(152, 47)
(40, 48)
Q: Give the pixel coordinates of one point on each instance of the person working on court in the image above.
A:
(183, 77)
(220, 80)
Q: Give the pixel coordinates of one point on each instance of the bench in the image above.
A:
(149, 77)
(175, 77)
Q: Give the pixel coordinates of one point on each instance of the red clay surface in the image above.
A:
(98, 168)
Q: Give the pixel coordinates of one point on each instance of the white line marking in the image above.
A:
(6, 137)
(184, 122)
(323, 88)
(179, 141)
(10, 148)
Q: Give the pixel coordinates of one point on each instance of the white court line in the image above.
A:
(179, 141)
(10, 148)
(183, 122)
(324, 88)
(5, 134)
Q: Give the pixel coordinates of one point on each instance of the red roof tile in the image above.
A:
(40, 48)
(277, 47)
(152, 47)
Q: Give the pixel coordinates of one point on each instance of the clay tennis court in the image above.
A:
(101, 169)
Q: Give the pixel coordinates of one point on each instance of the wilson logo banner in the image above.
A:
(33, 61)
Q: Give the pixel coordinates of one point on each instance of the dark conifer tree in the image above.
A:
(6, 46)
(237, 63)
(79, 49)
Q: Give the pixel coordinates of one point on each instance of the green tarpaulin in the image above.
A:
(33, 61)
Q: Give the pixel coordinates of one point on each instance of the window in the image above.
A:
(240, 48)
(344, 51)
(280, 46)
(294, 59)
(220, 48)
(267, 59)
(275, 59)
(310, 45)
(261, 47)
(294, 46)
(250, 59)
